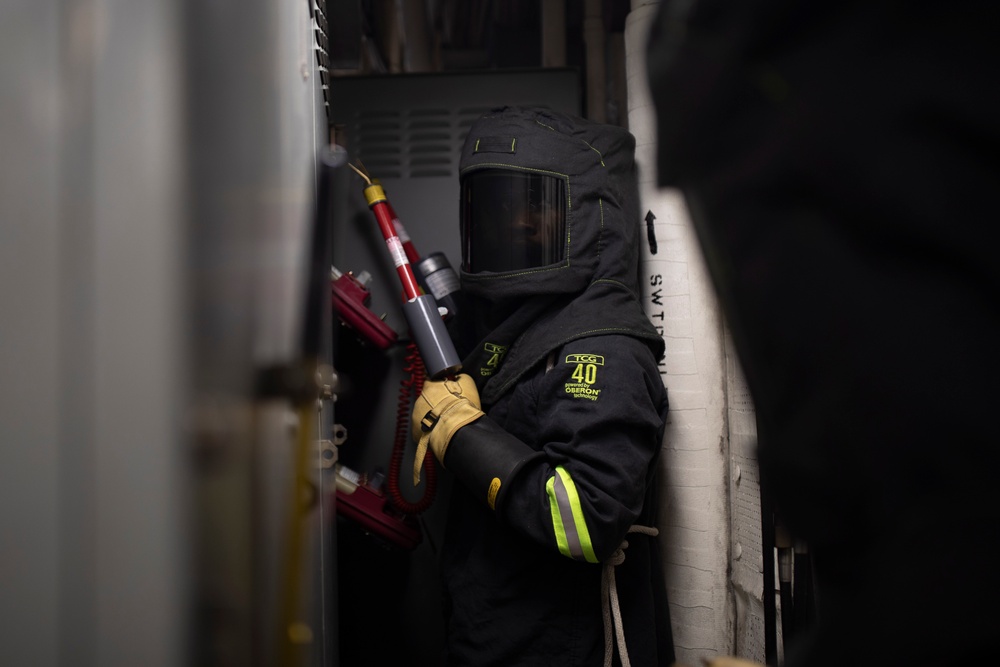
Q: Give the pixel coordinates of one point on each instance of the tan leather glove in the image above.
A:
(442, 408)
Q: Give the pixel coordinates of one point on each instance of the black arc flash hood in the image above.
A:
(525, 314)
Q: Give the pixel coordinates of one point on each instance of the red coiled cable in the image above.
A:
(411, 385)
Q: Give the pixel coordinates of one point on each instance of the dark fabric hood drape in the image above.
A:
(595, 291)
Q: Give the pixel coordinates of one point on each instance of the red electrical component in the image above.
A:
(369, 508)
(350, 301)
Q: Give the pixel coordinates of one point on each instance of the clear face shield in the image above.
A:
(512, 220)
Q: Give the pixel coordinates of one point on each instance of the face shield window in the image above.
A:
(512, 220)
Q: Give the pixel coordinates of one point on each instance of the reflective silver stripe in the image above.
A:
(570, 534)
(568, 522)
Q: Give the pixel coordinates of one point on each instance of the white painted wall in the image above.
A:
(706, 528)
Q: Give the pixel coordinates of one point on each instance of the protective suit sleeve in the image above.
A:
(596, 418)
(484, 457)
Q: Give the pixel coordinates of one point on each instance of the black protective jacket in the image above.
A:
(564, 463)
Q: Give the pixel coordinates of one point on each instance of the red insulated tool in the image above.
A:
(421, 310)
(433, 273)
(404, 238)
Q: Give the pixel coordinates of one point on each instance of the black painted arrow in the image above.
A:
(650, 234)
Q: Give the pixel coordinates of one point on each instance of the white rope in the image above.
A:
(609, 600)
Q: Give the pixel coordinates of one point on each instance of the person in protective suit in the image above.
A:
(554, 428)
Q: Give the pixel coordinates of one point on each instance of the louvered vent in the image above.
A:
(410, 143)
(321, 46)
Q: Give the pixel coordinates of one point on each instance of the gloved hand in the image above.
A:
(442, 408)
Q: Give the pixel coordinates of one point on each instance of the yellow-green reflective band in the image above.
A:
(557, 524)
(568, 523)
